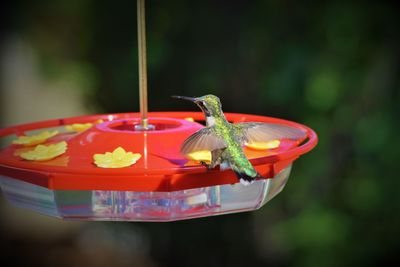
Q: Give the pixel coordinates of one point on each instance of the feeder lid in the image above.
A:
(160, 167)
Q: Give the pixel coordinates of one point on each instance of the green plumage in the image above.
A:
(233, 153)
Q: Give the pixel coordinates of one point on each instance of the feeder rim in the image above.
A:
(303, 148)
(58, 178)
(307, 144)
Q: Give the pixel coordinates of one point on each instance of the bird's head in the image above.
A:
(209, 104)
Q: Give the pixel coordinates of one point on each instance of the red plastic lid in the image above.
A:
(161, 168)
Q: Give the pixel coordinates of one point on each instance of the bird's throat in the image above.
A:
(210, 120)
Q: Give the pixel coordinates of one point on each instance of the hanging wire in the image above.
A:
(142, 63)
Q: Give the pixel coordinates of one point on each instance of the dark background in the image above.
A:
(332, 65)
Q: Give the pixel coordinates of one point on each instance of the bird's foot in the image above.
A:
(208, 166)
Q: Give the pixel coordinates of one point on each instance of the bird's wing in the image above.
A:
(264, 132)
(203, 139)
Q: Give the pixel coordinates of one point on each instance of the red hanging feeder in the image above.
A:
(161, 186)
(58, 173)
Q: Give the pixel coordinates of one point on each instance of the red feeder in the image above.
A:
(61, 178)
(161, 186)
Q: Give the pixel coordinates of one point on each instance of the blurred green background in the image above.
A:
(332, 65)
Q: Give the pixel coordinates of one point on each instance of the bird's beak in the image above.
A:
(191, 99)
(197, 100)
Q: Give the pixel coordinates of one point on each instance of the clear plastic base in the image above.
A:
(106, 205)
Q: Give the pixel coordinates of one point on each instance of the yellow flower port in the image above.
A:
(80, 127)
(45, 152)
(34, 139)
(119, 158)
(264, 145)
(202, 155)
(189, 119)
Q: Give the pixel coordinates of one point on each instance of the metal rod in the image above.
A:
(142, 63)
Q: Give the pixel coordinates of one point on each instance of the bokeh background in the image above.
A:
(333, 65)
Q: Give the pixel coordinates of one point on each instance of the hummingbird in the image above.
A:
(225, 140)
